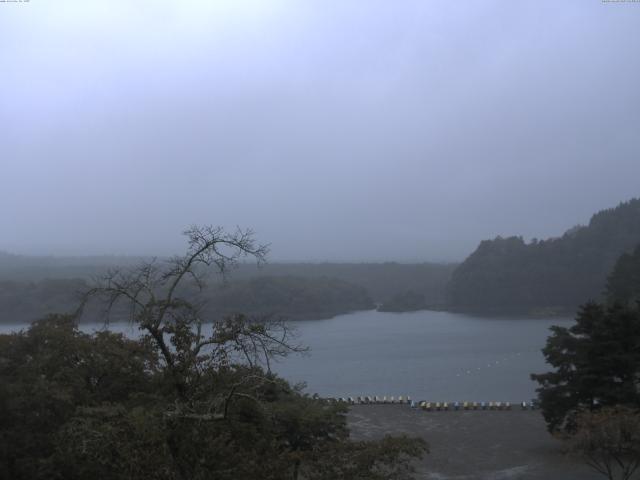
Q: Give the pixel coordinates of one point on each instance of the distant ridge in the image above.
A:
(556, 274)
(31, 287)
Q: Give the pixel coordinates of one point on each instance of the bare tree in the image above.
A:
(161, 300)
(609, 441)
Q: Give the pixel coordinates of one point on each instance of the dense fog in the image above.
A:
(339, 131)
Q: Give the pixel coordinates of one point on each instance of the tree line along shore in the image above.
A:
(506, 275)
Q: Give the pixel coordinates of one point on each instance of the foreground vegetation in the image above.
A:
(77, 406)
(175, 404)
(592, 398)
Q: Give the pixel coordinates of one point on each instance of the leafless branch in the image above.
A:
(154, 294)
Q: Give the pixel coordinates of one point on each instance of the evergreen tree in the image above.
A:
(623, 285)
(597, 363)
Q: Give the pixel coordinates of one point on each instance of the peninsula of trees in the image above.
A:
(292, 297)
(409, 301)
(31, 287)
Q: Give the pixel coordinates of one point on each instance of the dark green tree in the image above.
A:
(623, 284)
(49, 372)
(597, 364)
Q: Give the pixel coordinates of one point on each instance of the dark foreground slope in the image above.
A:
(474, 445)
(558, 273)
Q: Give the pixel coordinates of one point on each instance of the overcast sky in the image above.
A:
(338, 130)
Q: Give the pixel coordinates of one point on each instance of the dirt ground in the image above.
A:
(465, 445)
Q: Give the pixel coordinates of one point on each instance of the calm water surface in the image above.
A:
(428, 355)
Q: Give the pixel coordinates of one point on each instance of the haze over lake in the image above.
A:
(425, 354)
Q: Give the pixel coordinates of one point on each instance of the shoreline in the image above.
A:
(472, 445)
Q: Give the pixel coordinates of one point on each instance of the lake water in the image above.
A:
(428, 355)
(438, 356)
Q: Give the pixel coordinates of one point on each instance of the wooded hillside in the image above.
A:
(557, 273)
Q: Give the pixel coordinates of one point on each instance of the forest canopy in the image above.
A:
(557, 273)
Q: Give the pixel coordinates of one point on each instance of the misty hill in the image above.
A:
(558, 273)
(27, 301)
(381, 280)
(293, 297)
(25, 268)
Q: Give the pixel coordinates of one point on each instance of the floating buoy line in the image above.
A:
(433, 406)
